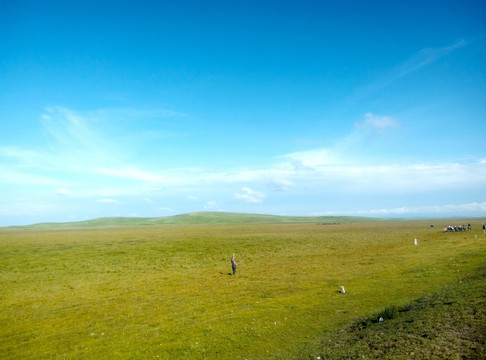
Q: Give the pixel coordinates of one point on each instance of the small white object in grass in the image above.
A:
(342, 290)
(416, 241)
(381, 319)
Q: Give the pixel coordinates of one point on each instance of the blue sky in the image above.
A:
(156, 108)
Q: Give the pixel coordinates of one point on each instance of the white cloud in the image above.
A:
(63, 191)
(438, 210)
(211, 205)
(309, 169)
(377, 122)
(10, 175)
(250, 196)
(311, 158)
(107, 201)
(304, 169)
(21, 154)
(467, 209)
(131, 173)
(71, 130)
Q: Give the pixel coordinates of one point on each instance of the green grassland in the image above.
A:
(165, 292)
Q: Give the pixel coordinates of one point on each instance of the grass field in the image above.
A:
(165, 292)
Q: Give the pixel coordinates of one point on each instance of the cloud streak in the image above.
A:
(417, 62)
(438, 210)
(422, 59)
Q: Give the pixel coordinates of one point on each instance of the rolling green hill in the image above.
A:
(200, 218)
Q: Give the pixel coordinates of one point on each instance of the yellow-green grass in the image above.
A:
(165, 292)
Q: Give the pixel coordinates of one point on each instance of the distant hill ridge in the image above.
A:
(198, 218)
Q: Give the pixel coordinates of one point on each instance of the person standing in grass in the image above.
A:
(233, 264)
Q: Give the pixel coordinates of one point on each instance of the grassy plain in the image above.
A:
(165, 292)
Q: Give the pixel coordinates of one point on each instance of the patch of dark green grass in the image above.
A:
(450, 324)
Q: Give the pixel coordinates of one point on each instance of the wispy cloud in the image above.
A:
(311, 173)
(107, 201)
(211, 205)
(23, 155)
(66, 125)
(376, 122)
(63, 192)
(25, 175)
(93, 171)
(75, 148)
(417, 62)
(131, 173)
(308, 160)
(423, 58)
(438, 210)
